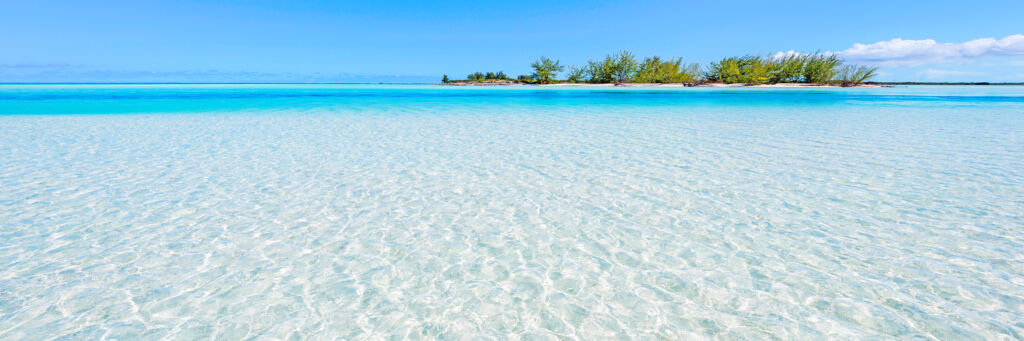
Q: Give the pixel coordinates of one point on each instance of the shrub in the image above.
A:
(599, 72)
(754, 69)
(850, 75)
(622, 66)
(688, 73)
(576, 74)
(820, 68)
(545, 69)
(726, 70)
(787, 69)
(654, 70)
(525, 78)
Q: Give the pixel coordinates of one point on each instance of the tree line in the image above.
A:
(624, 67)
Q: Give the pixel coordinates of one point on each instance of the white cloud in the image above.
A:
(784, 54)
(918, 52)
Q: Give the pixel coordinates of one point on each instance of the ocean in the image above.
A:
(276, 211)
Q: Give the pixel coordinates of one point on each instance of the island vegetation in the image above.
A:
(624, 68)
(946, 83)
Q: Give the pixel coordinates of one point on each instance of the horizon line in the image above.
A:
(425, 83)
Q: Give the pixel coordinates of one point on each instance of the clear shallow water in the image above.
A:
(185, 211)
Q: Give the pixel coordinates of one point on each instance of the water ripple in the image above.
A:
(459, 218)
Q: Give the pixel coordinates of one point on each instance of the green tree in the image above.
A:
(545, 69)
(746, 70)
(727, 70)
(444, 79)
(851, 75)
(656, 70)
(598, 72)
(821, 68)
(688, 73)
(787, 69)
(622, 66)
(650, 71)
(576, 74)
(755, 69)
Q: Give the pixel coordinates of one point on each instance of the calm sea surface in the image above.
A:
(423, 212)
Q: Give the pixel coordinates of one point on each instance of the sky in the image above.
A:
(418, 41)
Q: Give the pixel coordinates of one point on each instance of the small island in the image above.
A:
(624, 69)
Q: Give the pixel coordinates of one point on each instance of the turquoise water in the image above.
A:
(423, 212)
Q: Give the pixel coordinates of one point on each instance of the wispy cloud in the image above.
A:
(902, 52)
(784, 54)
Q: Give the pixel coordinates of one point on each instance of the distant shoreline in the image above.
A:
(946, 83)
(664, 85)
(453, 83)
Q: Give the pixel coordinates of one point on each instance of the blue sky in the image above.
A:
(418, 41)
